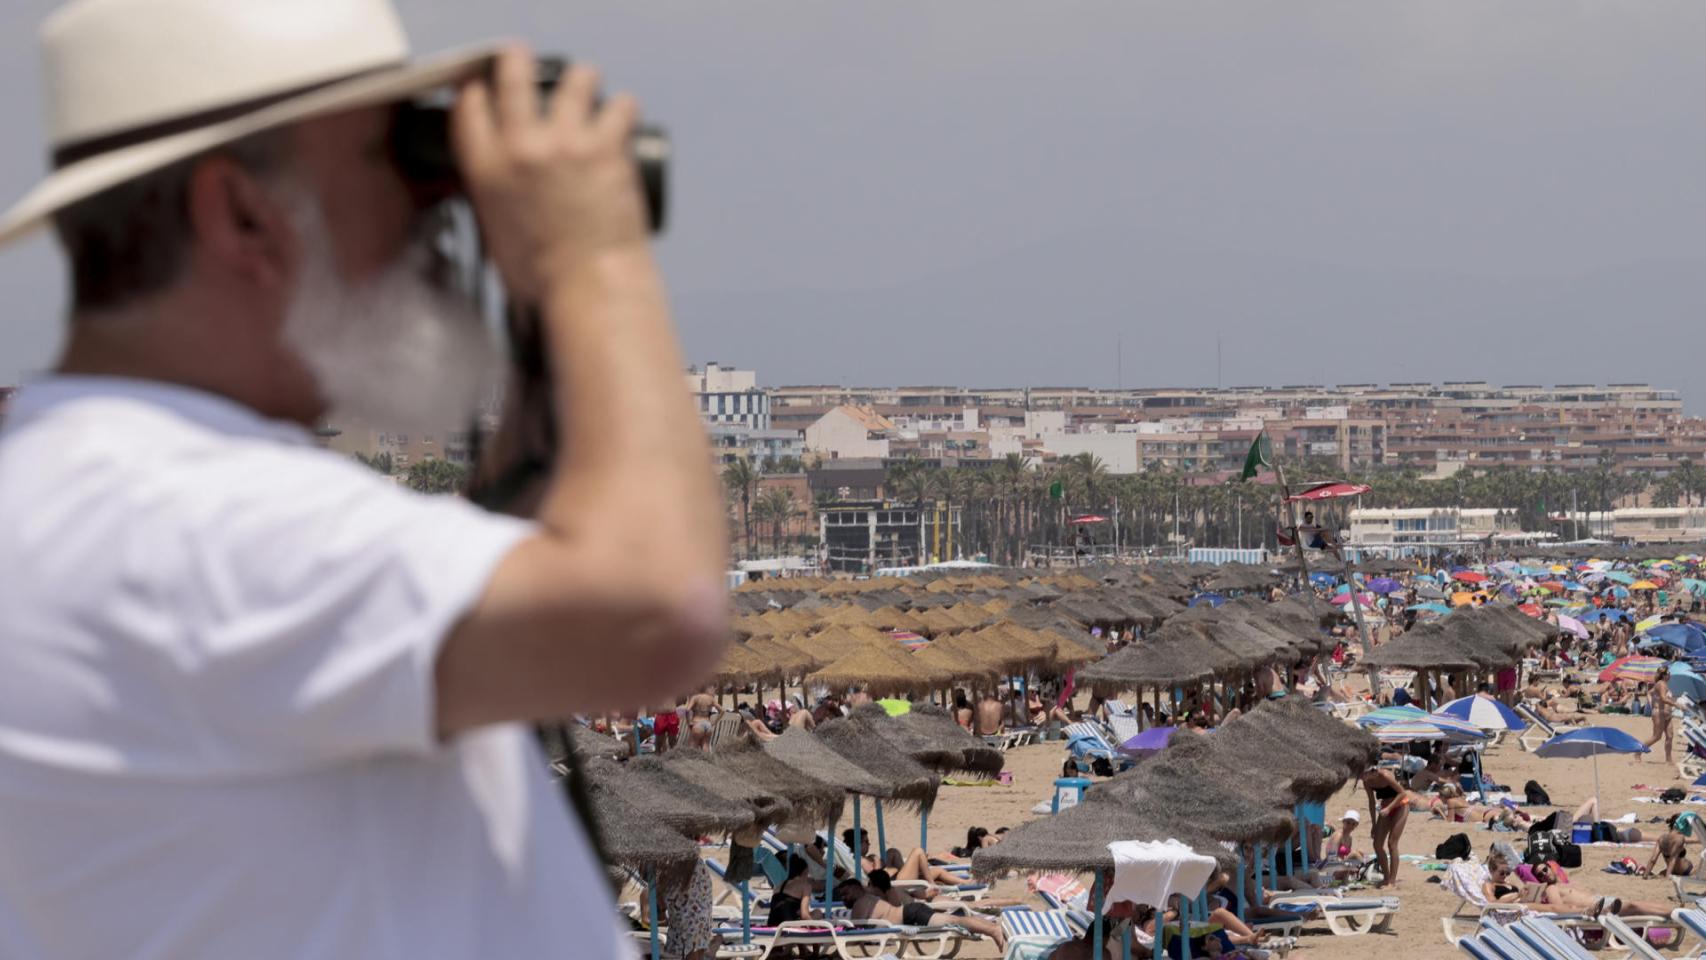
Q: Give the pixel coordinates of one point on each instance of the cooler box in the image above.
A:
(1581, 833)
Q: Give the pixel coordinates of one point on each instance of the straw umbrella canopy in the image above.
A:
(956, 664)
(811, 798)
(1422, 649)
(790, 658)
(832, 644)
(902, 779)
(1142, 666)
(1241, 577)
(585, 743)
(696, 768)
(668, 799)
(936, 727)
(882, 669)
(1325, 739)
(812, 757)
(1182, 781)
(1254, 748)
(1076, 840)
(631, 838)
(740, 664)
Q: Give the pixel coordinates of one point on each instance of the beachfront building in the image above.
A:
(861, 536)
(728, 396)
(849, 431)
(351, 437)
(1429, 527)
(734, 441)
(1685, 524)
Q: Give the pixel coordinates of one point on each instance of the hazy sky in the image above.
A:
(1000, 192)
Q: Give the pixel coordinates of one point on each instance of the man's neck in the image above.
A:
(153, 343)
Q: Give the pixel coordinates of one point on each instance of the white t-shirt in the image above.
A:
(216, 704)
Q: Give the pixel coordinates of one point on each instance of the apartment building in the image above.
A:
(728, 396)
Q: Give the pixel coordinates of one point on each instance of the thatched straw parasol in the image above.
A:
(1182, 781)
(790, 658)
(902, 779)
(1427, 647)
(1325, 739)
(959, 666)
(813, 800)
(559, 739)
(932, 738)
(883, 669)
(812, 757)
(667, 799)
(1241, 576)
(1252, 746)
(695, 767)
(633, 839)
(1143, 666)
(832, 644)
(740, 664)
(1076, 840)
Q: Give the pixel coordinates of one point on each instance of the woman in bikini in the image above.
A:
(1663, 706)
(1389, 809)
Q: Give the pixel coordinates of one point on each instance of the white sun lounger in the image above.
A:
(1546, 939)
(1621, 936)
(1506, 945)
(1693, 920)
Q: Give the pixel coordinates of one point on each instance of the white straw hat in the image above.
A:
(1353, 816)
(137, 85)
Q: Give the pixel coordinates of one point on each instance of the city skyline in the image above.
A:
(970, 193)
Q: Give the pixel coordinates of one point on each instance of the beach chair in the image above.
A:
(1349, 917)
(1693, 762)
(1122, 727)
(1693, 921)
(727, 730)
(1689, 889)
(1507, 945)
(1028, 930)
(1087, 742)
(1621, 936)
(1539, 731)
(1464, 881)
(1548, 939)
(1478, 949)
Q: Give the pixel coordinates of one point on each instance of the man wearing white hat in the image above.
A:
(255, 699)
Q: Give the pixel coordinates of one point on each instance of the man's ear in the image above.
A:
(239, 225)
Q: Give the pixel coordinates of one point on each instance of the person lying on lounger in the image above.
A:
(866, 904)
(1549, 895)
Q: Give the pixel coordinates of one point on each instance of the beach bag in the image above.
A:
(1603, 832)
(1455, 847)
(1547, 825)
(1541, 848)
(1535, 795)
(1673, 795)
(1569, 855)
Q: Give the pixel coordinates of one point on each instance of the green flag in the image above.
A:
(1056, 490)
(1255, 459)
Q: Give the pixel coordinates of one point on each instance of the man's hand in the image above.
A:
(554, 184)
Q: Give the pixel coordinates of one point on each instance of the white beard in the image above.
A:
(395, 353)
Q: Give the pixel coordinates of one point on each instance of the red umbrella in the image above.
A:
(1531, 609)
(1636, 668)
(1088, 518)
(1470, 576)
(1329, 490)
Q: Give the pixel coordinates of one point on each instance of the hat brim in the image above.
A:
(84, 179)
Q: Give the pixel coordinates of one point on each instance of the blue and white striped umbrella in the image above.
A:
(1480, 713)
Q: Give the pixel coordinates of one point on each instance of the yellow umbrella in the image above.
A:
(1643, 585)
(1462, 598)
(1648, 623)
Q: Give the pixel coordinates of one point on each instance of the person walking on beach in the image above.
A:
(256, 699)
(1664, 706)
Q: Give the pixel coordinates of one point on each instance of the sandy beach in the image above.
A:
(1416, 933)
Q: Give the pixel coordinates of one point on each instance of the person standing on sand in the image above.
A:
(1664, 707)
(1389, 810)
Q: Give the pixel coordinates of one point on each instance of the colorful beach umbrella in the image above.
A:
(1386, 715)
(1649, 623)
(1589, 742)
(1330, 490)
(1685, 681)
(1366, 599)
(1573, 626)
(1618, 576)
(1385, 585)
(1643, 585)
(1480, 713)
(1148, 742)
(894, 706)
(1430, 608)
(1406, 731)
(1469, 576)
(1635, 668)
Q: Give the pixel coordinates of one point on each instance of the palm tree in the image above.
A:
(776, 507)
(381, 462)
(956, 486)
(433, 475)
(740, 478)
(912, 480)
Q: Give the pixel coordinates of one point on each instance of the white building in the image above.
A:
(1660, 524)
(729, 396)
(849, 431)
(1117, 451)
(733, 441)
(1428, 526)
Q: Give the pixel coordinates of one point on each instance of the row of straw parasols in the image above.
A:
(1216, 792)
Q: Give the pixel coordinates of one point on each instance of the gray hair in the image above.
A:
(133, 240)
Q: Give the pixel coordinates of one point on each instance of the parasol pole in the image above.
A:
(745, 912)
(1096, 921)
(652, 909)
(858, 854)
(882, 836)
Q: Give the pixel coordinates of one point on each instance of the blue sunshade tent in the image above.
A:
(1603, 613)
(1321, 578)
(1439, 608)
(1590, 742)
(1686, 637)
(1482, 713)
(1385, 585)
(1618, 576)
(1685, 681)
(1212, 599)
